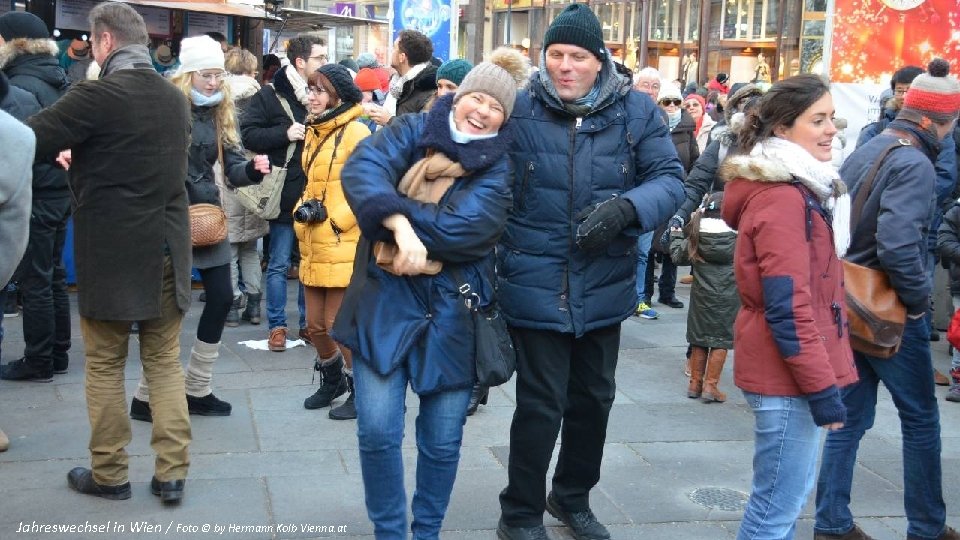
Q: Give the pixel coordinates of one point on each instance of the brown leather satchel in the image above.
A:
(875, 314)
(208, 225)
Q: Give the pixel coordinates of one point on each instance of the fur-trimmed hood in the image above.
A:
(754, 169)
(32, 64)
(23, 46)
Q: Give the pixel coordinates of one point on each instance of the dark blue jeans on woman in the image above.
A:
(908, 375)
(380, 412)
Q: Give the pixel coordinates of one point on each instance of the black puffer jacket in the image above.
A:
(948, 243)
(417, 92)
(31, 65)
(686, 141)
(18, 103)
(263, 127)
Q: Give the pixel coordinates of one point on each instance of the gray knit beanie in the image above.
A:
(498, 77)
(577, 25)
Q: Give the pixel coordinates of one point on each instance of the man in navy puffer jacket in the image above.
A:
(594, 167)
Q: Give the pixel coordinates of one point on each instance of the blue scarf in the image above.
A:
(201, 100)
(674, 119)
(591, 97)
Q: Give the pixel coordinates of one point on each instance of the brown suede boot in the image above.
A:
(698, 363)
(712, 378)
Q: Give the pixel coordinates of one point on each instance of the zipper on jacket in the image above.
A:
(521, 195)
(837, 318)
(565, 291)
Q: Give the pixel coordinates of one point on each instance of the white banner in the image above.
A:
(72, 14)
(156, 19)
(201, 23)
(859, 104)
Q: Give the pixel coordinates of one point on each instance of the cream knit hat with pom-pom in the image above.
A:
(499, 76)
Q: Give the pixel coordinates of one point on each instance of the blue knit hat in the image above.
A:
(577, 25)
(454, 70)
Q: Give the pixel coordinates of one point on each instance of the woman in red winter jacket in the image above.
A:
(792, 354)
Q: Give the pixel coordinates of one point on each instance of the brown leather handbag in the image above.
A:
(208, 225)
(875, 314)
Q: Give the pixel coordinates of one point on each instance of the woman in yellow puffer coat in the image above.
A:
(326, 227)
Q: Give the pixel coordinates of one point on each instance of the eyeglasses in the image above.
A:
(674, 102)
(320, 57)
(315, 90)
(213, 77)
(646, 85)
(691, 104)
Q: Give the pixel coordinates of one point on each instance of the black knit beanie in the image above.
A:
(342, 82)
(577, 25)
(21, 24)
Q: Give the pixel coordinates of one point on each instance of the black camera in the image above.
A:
(311, 211)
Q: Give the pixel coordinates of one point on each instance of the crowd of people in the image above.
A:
(553, 193)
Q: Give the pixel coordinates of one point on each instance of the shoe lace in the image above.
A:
(317, 368)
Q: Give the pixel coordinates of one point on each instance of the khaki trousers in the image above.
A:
(106, 355)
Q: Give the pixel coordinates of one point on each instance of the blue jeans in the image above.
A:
(281, 249)
(908, 375)
(644, 241)
(786, 441)
(380, 411)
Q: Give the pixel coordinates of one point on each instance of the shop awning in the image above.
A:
(298, 20)
(253, 11)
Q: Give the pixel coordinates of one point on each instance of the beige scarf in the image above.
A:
(426, 181)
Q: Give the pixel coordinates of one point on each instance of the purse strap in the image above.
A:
(470, 299)
(292, 147)
(867, 181)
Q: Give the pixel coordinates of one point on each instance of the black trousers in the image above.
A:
(668, 276)
(42, 278)
(219, 289)
(563, 383)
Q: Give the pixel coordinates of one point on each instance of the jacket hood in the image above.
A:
(426, 79)
(716, 244)
(242, 86)
(23, 46)
(33, 57)
(757, 173)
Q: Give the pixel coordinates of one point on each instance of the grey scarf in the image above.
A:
(126, 58)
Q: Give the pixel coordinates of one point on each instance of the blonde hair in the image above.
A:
(240, 61)
(225, 117)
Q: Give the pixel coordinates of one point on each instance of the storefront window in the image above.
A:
(664, 22)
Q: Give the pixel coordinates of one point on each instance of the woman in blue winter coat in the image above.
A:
(431, 196)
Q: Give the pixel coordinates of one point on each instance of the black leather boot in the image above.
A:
(478, 397)
(333, 383)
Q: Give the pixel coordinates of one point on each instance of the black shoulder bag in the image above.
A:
(496, 357)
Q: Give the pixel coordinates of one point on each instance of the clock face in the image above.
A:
(901, 5)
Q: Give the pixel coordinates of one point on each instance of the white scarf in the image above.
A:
(396, 87)
(818, 177)
(299, 85)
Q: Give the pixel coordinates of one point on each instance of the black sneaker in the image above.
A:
(583, 525)
(81, 479)
(60, 365)
(140, 410)
(208, 405)
(672, 302)
(506, 532)
(22, 370)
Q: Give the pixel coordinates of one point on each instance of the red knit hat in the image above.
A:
(367, 80)
(698, 98)
(934, 94)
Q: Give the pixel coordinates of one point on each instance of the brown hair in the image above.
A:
(783, 103)
(710, 207)
(319, 80)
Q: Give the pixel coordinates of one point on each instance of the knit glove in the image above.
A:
(602, 222)
(827, 407)
(676, 222)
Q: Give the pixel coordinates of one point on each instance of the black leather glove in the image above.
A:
(676, 222)
(601, 223)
